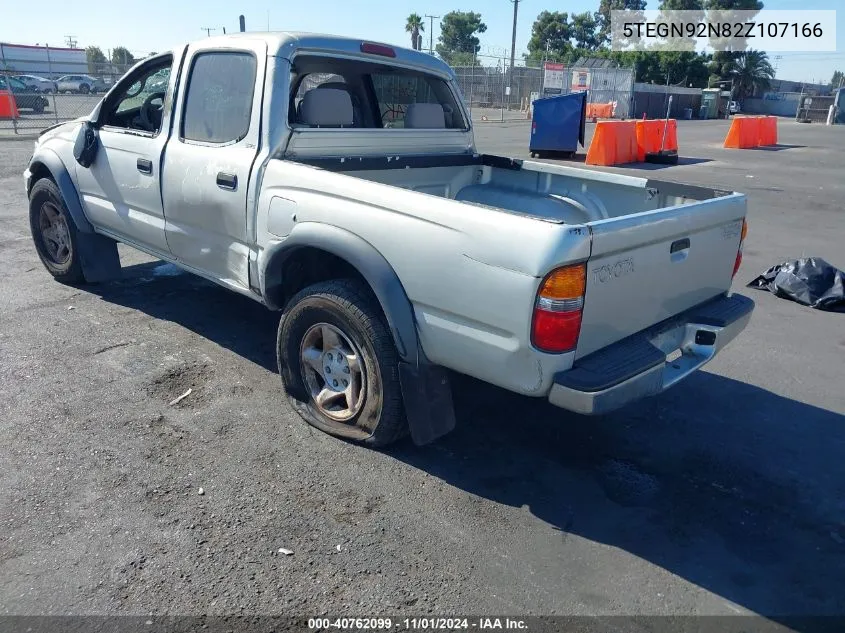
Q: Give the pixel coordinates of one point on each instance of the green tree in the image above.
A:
(549, 36)
(752, 73)
(583, 30)
(681, 68)
(121, 56)
(837, 79)
(603, 15)
(96, 59)
(414, 25)
(735, 5)
(682, 5)
(457, 34)
(723, 61)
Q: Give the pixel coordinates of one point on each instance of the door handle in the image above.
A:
(145, 166)
(679, 250)
(227, 181)
(679, 245)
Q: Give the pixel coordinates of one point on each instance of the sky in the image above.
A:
(157, 25)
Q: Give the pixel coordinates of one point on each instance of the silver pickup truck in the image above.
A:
(337, 181)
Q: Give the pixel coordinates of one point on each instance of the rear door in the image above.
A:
(209, 158)
(647, 267)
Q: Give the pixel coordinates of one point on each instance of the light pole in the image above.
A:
(431, 19)
(513, 48)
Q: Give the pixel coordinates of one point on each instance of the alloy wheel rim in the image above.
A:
(333, 371)
(55, 234)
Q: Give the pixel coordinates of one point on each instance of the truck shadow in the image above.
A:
(731, 487)
(166, 292)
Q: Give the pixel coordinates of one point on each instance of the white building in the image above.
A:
(44, 61)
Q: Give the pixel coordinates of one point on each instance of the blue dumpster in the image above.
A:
(558, 124)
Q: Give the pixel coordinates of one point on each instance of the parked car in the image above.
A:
(733, 107)
(80, 83)
(25, 98)
(38, 84)
(394, 254)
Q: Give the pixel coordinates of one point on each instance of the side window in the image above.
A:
(154, 83)
(315, 80)
(218, 99)
(139, 105)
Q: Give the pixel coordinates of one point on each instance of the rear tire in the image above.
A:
(54, 233)
(339, 365)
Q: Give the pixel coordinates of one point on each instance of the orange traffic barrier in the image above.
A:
(599, 110)
(768, 130)
(614, 143)
(752, 131)
(8, 106)
(650, 136)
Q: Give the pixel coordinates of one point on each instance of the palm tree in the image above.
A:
(413, 26)
(751, 72)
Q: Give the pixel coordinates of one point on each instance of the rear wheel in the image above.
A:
(54, 233)
(339, 365)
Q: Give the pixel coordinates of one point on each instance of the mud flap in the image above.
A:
(428, 401)
(99, 257)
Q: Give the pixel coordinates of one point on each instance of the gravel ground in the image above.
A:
(725, 495)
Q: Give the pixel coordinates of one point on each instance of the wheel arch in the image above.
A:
(361, 258)
(45, 163)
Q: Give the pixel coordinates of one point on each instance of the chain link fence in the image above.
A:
(492, 91)
(485, 88)
(36, 93)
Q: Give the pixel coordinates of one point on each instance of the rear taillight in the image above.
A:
(738, 259)
(557, 310)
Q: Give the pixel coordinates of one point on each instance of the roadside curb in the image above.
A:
(19, 137)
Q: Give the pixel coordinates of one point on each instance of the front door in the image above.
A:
(209, 159)
(121, 190)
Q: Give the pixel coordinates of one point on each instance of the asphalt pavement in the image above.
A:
(724, 495)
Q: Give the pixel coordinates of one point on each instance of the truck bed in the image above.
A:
(554, 193)
(489, 229)
(633, 223)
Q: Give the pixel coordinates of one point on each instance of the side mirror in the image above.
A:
(86, 145)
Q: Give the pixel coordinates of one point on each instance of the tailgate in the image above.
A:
(649, 266)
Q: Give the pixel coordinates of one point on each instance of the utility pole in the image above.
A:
(431, 19)
(777, 61)
(513, 46)
(207, 30)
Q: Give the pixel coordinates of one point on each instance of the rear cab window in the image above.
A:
(380, 96)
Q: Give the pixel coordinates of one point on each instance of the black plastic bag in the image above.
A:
(810, 281)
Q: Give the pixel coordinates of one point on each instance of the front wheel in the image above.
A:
(84, 89)
(339, 365)
(54, 233)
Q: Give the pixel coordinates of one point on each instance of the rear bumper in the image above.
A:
(639, 365)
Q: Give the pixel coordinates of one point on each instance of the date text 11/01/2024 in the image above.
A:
(417, 624)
